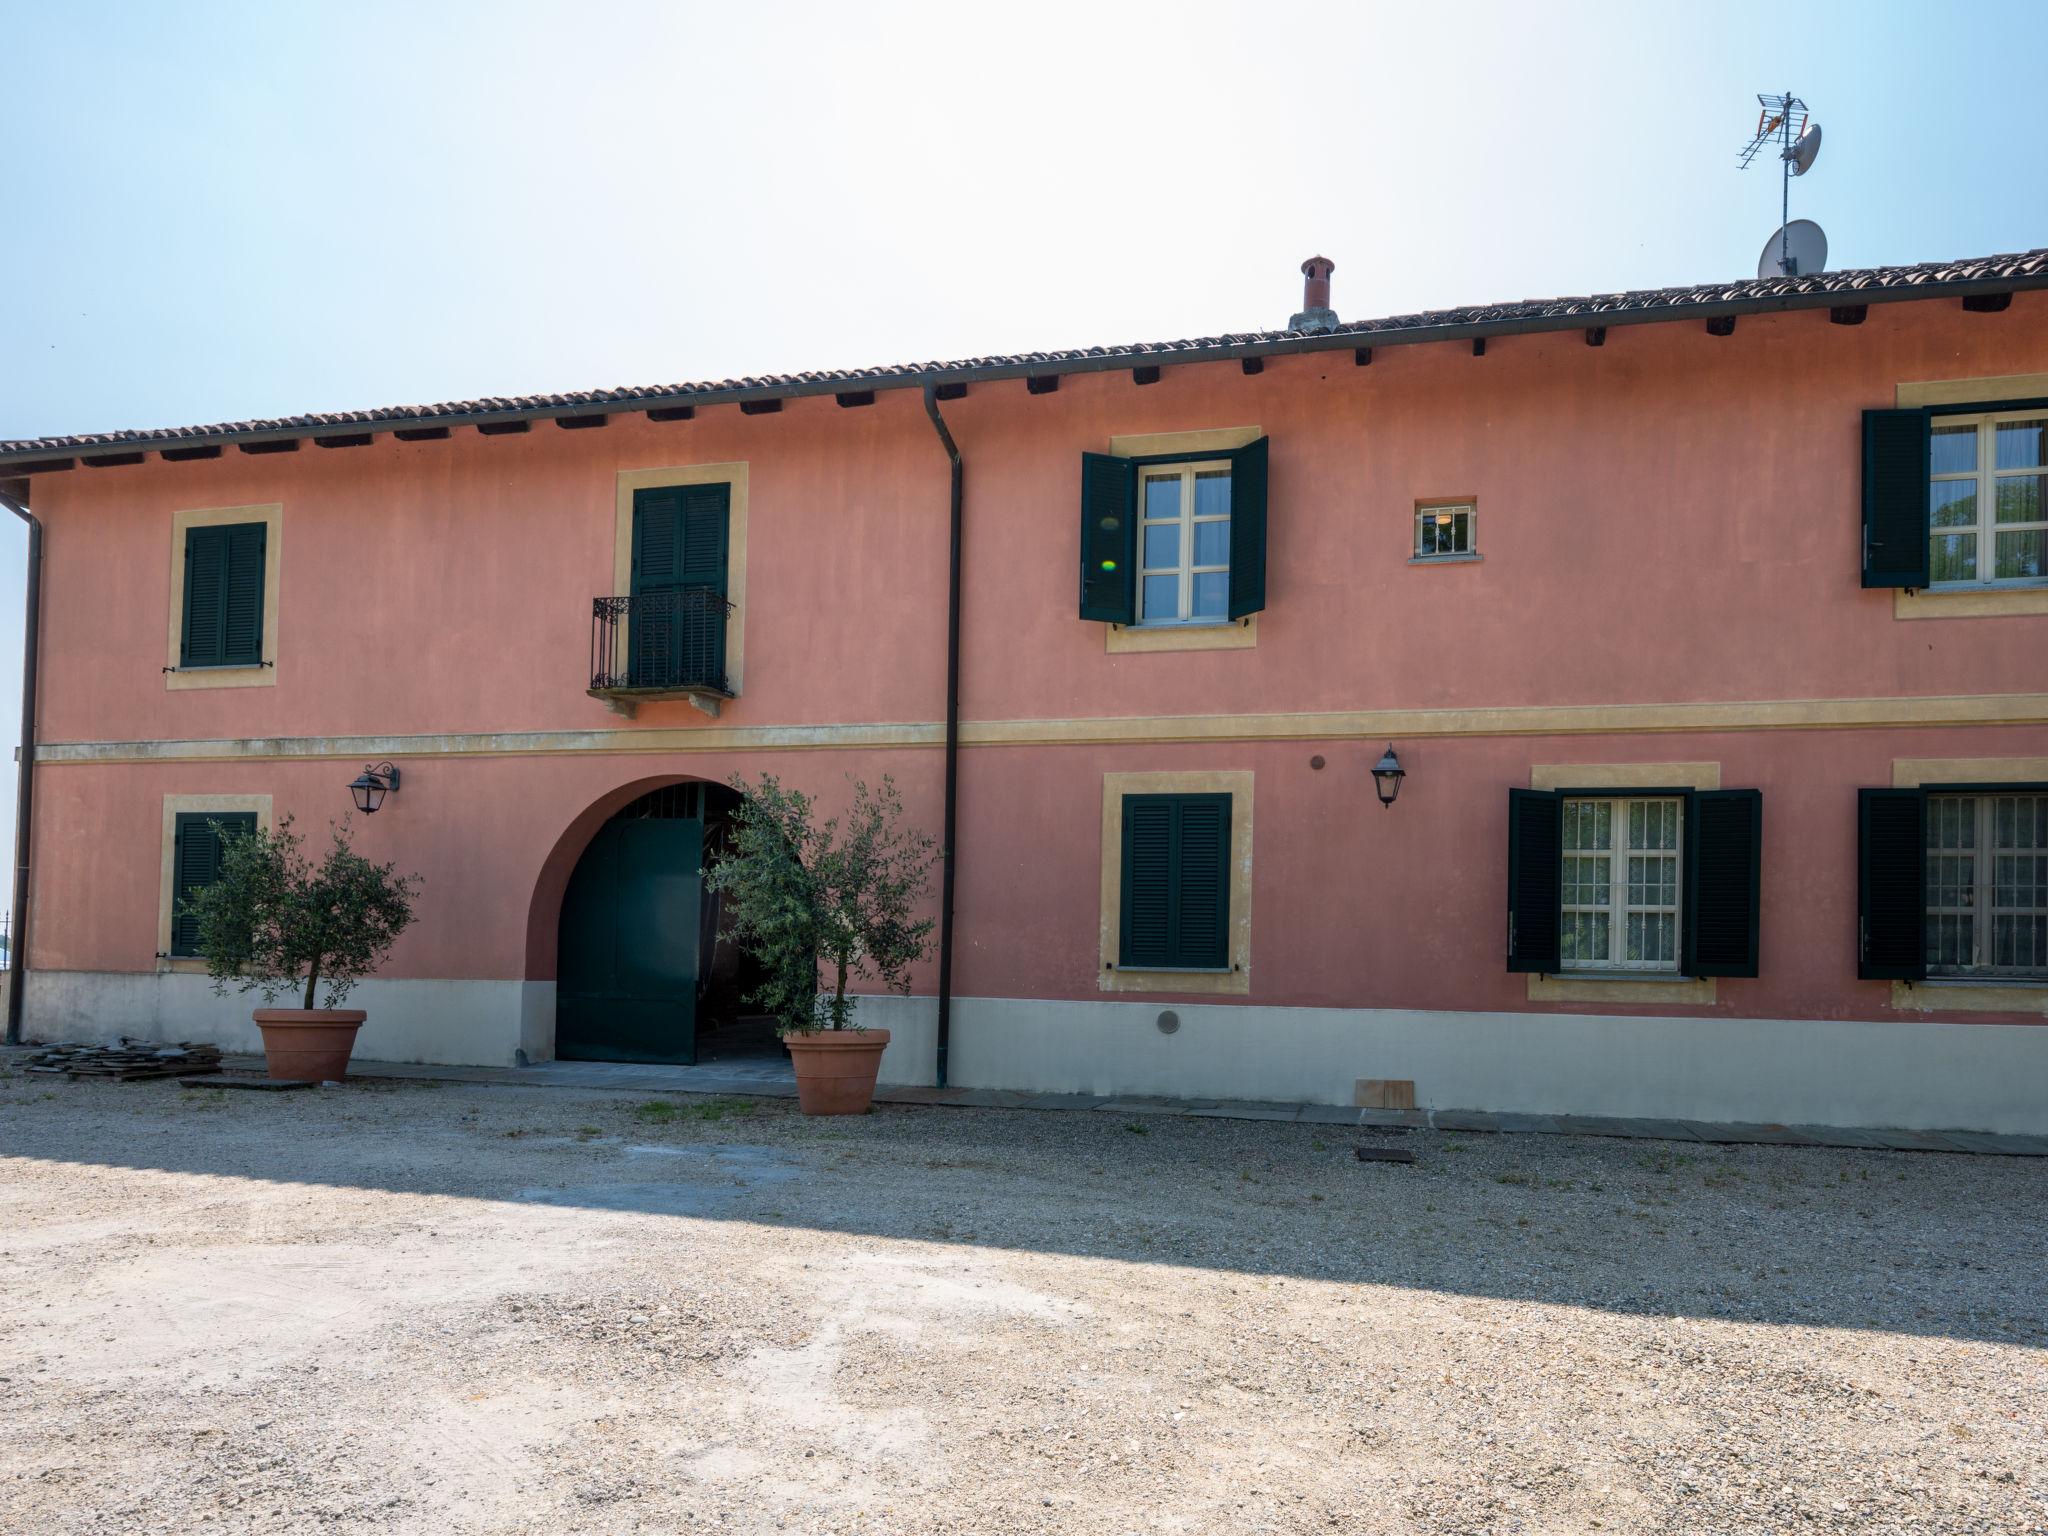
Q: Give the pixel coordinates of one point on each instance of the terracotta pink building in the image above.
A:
(1709, 627)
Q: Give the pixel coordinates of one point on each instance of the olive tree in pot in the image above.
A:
(837, 896)
(276, 923)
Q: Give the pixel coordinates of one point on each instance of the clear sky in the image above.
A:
(218, 211)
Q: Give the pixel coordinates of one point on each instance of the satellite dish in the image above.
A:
(1801, 155)
(1800, 249)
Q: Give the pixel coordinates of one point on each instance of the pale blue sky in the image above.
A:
(219, 211)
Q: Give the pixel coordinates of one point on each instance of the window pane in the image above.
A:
(1162, 546)
(1212, 543)
(1953, 450)
(1953, 503)
(2019, 555)
(1461, 533)
(1212, 493)
(1212, 595)
(2022, 444)
(1953, 557)
(2020, 498)
(1162, 597)
(1162, 496)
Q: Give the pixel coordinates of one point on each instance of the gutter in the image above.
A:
(11, 493)
(56, 455)
(946, 841)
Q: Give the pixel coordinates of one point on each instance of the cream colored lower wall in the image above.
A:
(1991, 1077)
(1987, 1077)
(446, 1023)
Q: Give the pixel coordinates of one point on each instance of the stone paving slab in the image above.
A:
(770, 1079)
(1740, 1133)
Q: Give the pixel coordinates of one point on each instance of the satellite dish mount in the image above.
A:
(1784, 121)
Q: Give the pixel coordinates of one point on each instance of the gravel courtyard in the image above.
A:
(402, 1307)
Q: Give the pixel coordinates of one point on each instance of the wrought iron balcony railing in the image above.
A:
(659, 642)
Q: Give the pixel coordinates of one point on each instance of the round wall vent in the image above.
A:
(1168, 1021)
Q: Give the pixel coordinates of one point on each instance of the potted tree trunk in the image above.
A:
(276, 923)
(836, 897)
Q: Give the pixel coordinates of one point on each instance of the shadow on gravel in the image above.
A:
(1911, 1243)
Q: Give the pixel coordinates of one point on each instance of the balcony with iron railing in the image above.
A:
(660, 645)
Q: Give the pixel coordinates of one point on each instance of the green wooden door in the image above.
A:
(626, 977)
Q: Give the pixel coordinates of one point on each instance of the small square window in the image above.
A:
(1446, 532)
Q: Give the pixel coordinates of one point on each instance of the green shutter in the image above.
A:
(1176, 883)
(1248, 529)
(242, 608)
(1202, 916)
(1891, 884)
(1723, 882)
(1895, 499)
(1147, 882)
(1535, 870)
(223, 596)
(1109, 539)
(657, 539)
(205, 596)
(681, 537)
(703, 523)
(195, 864)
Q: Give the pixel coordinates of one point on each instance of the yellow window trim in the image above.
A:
(1237, 981)
(734, 475)
(174, 805)
(1912, 772)
(271, 515)
(1632, 989)
(1969, 997)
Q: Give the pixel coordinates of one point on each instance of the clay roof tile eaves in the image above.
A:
(2026, 269)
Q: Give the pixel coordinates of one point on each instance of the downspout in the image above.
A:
(17, 939)
(946, 847)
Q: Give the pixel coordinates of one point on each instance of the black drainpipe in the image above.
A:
(17, 940)
(946, 850)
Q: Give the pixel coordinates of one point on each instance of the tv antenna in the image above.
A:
(1785, 121)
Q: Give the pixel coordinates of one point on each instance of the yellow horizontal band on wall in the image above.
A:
(1525, 720)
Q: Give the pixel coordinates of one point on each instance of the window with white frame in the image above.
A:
(1444, 532)
(1184, 543)
(1988, 501)
(1620, 874)
(1987, 885)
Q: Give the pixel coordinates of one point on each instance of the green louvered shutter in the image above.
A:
(1248, 529)
(1723, 882)
(1895, 499)
(206, 596)
(1891, 884)
(680, 538)
(1176, 883)
(1202, 883)
(242, 605)
(1535, 870)
(223, 596)
(195, 864)
(1147, 882)
(1109, 539)
(705, 525)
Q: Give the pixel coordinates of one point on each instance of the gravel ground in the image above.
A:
(403, 1307)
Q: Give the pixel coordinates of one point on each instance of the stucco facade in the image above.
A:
(1667, 589)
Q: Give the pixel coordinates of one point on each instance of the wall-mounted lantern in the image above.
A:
(1387, 775)
(371, 785)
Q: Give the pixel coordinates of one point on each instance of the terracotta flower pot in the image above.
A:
(835, 1069)
(308, 1044)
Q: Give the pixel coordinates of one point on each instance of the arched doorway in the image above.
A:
(643, 972)
(631, 933)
